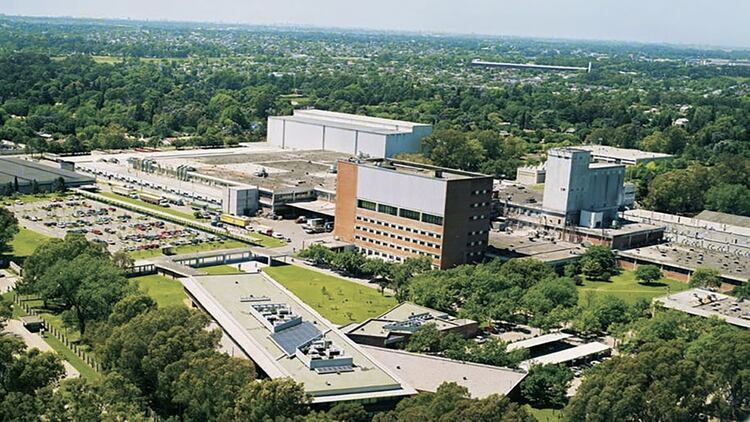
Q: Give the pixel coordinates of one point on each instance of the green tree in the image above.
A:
(729, 198)
(598, 263)
(34, 187)
(348, 412)
(319, 255)
(426, 339)
(547, 385)
(58, 185)
(56, 250)
(451, 148)
(705, 277)
(8, 228)
(742, 291)
(647, 274)
(271, 400)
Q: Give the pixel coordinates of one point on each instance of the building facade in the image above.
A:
(346, 133)
(240, 200)
(394, 210)
(579, 192)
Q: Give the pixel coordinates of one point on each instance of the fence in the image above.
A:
(76, 349)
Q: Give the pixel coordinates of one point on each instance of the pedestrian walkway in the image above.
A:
(35, 341)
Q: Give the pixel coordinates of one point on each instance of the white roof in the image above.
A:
(567, 355)
(426, 373)
(538, 341)
(621, 153)
(352, 121)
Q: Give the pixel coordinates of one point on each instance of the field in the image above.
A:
(227, 244)
(340, 301)
(143, 204)
(545, 415)
(220, 269)
(25, 242)
(165, 291)
(626, 287)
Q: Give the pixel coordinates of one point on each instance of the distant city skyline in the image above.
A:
(716, 23)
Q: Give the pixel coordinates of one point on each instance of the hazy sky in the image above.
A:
(704, 22)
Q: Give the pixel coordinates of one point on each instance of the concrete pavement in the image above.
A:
(34, 341)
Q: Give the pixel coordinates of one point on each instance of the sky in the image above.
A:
(693, 22)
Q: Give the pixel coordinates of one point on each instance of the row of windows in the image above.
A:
(399, 227)
(401, 212)
(477, 217)
(478, 232)
(396, 247)
(480, 192)
(397, 236)
(479, 204)
(475, 243)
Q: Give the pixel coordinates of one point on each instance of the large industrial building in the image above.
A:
(345, 133)
(394, 210)
(629, 157)
(580, 192)
(287, 338)
(25, 173)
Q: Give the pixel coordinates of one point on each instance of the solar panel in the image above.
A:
(334, 369)
(292, 338)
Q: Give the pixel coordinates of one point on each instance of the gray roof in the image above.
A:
(724, 218)
(26, 171)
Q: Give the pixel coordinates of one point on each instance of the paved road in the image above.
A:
(34, 341)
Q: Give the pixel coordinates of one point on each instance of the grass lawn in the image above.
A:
(25, 242)
(625, 286)
(67, 354)
(227, 244)
(266, 241)
(220, 269)
(143, 204)
(165, 291)
(545, 415)
(29, 198)
(339, 300)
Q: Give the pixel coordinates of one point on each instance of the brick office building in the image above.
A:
(394, 209)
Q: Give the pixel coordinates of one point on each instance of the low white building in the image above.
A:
(346, 133)
(240, 200)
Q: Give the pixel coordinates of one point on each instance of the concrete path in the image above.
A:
(34, 341)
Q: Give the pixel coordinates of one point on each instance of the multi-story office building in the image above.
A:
(580, 192)
(394, 210)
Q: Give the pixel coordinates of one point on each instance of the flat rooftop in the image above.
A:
(26, 171)
(538, 341)
(423, 170)
(220, 296)
(426, 372)
(724, 218)
(352, 121)
(567, 355)
(731, 266)
(380, 326)
(520, 244)
(621, 153)
(709, 304)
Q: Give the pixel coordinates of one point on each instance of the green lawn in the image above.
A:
(29, 198)
(67, 354)
(219, 270)
(165, 291)
(143, 204)
(266, 241)
(339, 300)
(25, 242)
(545, 415)
(625, 286)
(227, 244)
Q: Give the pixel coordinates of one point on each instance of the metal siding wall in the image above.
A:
(402, 190)
(340, 140)
(275, 134)
(371, 144)
(303, 136)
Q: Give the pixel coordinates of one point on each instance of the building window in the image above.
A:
(432, 219)
(413, 215)
(366, 205)
(387, 209)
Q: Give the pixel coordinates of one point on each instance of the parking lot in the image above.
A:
(117, 228)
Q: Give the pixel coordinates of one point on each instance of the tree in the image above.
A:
(742, 291)
(450, 148)
(648, 274)
(679, 191)
(598, 263)
(8, 228)
(729, 198)
(59, 185)
(271, 400)
(348, 262)
(34, 187)
(348, 412)
(426, 339)
(547, 385)
(130, 307)
(318, 254)
(143, 347)
(204, 385)
(601, 313)
(122, 260)
(549, 295)
(55, 250)
(87, 287)
(705, 277)
(82, 399)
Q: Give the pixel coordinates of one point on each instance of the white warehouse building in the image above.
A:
(346, 133)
